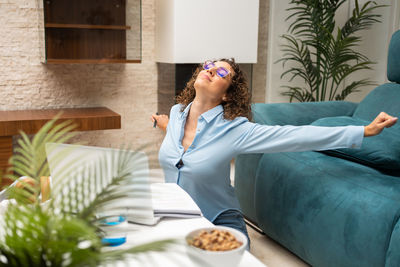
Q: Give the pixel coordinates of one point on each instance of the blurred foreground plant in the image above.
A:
(63, 231)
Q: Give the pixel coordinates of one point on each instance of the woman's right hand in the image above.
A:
(162, 121)
(383, 120)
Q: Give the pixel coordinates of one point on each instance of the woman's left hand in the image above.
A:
(162, 121)
(383, 120)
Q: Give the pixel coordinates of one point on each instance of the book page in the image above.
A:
(170, 198)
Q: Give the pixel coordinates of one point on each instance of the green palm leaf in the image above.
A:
(353, 87)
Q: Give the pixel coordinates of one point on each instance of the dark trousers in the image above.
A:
(234, 219)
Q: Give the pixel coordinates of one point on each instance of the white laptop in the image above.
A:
(70, 164)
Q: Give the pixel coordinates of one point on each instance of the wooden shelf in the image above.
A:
(30, 121)
(5, 151)
(87, 26)
(91, 61)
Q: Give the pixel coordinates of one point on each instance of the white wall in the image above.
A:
(374, 45)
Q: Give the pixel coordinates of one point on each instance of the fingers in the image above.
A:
(389, 122)
(160, 121)
(384, 120)
(381, 117)
(158, 116)
(163, 116)
(155, 117)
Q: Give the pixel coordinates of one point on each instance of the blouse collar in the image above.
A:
(208, 116)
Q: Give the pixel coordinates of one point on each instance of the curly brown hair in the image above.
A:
(237, 102)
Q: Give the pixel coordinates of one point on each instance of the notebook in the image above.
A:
(170, 200)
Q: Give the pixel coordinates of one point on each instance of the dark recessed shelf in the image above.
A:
(92, 31)
(87, 26)
(90, 61)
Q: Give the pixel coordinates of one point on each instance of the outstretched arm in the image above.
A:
(383, 120)
(162, 121)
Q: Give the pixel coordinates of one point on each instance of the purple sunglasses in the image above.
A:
(221, 71)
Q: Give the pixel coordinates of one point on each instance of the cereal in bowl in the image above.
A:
(215, 240)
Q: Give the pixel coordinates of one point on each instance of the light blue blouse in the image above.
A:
(204, 169)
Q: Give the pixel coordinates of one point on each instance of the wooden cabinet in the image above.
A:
(92, 31)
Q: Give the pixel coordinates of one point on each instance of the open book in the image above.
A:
(170, 200)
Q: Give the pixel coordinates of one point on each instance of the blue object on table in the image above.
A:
(111, 224)
(113, 241)
(113, 220)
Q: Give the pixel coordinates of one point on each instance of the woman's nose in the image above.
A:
(211, 71)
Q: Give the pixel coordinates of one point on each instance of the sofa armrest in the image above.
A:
(300, 113)
(245, 179)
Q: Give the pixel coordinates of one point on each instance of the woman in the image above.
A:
(210, 126)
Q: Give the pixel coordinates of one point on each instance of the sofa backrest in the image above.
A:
(393, 66)
(385, 97)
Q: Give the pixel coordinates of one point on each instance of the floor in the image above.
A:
(271, 253)
(262, 247)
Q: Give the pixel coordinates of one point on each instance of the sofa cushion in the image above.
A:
(381, 151)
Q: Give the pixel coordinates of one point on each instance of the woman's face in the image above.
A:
(212, 86)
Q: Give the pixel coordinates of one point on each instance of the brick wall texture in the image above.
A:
(128, 89)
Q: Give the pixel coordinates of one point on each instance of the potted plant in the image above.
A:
(324, 55)
(37, 233)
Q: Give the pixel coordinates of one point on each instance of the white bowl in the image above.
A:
(229, 258)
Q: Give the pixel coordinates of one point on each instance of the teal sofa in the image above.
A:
(330, 208)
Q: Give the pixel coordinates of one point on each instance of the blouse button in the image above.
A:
(179, 164)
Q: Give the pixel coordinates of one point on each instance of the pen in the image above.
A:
(155, 121)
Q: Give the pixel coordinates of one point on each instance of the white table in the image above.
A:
(176, 254)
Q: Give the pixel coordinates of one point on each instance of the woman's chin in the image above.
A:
(199, 83)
